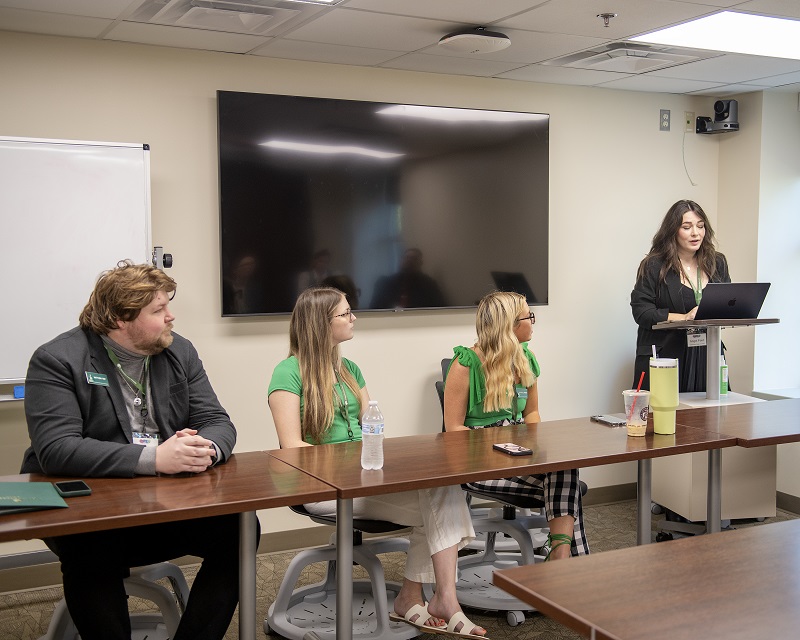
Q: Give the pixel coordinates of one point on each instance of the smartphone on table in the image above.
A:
(609, 420)
(513, 449)
(70, 488)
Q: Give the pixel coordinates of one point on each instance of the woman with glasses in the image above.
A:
(316, 397)
(493, 384)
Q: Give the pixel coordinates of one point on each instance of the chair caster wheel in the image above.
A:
(656, 509)
(515, 618)
(663, 536)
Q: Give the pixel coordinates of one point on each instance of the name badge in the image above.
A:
(522, 393)
(100, 379)
(147, 439)
(696, 337)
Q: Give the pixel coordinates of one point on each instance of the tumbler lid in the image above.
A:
(663, 363)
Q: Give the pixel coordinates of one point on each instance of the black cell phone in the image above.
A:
(70, 488)
(513, 449)
(609, 420)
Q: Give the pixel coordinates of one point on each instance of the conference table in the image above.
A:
(245, 483)
(424, 461)
(740, 584)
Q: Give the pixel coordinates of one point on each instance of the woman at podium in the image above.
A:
(669, 286)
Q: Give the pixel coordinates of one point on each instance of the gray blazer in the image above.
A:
(82, 429)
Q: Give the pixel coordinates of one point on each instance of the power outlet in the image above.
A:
(663, 124)
(688, 121)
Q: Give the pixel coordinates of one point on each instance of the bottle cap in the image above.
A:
(373, 403)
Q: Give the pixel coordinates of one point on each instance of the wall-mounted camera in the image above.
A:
(726, 118)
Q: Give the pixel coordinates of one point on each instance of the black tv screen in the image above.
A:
(399, 206)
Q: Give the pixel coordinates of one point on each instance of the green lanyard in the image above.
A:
(698, 293)
(139, 401)
(343, 405)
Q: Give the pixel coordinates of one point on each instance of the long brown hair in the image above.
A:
(121, 294)
(311, 342)
(502, 352)
(665, 243)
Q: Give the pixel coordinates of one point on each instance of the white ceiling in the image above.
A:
(403, 34)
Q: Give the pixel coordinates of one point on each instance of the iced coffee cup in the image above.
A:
(637, 407)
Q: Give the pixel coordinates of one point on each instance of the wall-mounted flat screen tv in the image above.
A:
(401, 206)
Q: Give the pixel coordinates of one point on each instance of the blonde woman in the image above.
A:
(316, 396)
(494, 384)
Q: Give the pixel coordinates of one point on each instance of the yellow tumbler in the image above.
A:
(664, 393)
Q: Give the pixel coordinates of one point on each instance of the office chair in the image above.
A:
(297, 612)
(142, 584)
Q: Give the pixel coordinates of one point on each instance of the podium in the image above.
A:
(713, 343)
(748, 475)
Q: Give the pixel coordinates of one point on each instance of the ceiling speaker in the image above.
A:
(477, 40)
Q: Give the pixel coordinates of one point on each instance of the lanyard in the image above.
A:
(343, 404)
(141, 387)
(698, 292)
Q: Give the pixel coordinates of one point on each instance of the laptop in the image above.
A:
(732, 300)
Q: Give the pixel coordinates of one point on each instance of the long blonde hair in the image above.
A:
(503, 357)
(311, 342)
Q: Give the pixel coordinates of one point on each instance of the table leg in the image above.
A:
(714, 497)
(344, 569)
(247, 575)
(643, 501)
(713, 346)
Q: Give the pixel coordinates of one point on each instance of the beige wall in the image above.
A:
(613, 176)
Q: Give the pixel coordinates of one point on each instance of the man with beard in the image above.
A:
(121, 395)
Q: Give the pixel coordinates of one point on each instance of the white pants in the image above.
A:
(439, 516)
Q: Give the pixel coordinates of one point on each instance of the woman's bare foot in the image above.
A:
(446, 608)
(409, 595)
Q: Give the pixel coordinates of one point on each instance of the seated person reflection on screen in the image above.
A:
(239, 289)
(119, 396)
(319, 269)
(318, 397)
(409, 287)
(346, 285)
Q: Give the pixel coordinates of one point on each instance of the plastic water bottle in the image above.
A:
(723, 377)
(372, 437)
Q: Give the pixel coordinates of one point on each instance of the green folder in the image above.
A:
(28, 496)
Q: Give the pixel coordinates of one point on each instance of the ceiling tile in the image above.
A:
(580, 17)
(89, 8)
(730, 68)
(441, 64)
(471, 12)
(372, 30)
(784, 8)
(560, 75)
(725, 91)
(184, 38)
(658, 85)
(52, 24)
(777, 81)
(332, 53)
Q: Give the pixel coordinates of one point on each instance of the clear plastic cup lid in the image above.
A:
(663, 363)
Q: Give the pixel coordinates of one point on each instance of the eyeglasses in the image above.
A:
(531, 317)
(346, 314)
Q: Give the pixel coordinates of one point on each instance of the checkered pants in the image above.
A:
(559, 491)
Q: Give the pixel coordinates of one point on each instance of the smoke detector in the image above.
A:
(476, 40)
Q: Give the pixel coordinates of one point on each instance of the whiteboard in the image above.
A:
(69, 210)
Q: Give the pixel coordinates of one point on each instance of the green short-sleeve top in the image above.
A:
(286, 377)
(476, 416)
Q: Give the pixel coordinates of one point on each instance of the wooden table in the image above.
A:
(740, 584)
(244, 484)
(423, 461)
(753, 425)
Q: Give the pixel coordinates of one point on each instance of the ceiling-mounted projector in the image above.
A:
(476, 40)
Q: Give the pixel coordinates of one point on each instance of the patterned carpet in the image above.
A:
(25, 615)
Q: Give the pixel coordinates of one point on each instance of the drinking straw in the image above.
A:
(654, 351)
(638, 389)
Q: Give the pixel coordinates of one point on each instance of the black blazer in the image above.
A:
(82, 429)
(653, 300)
